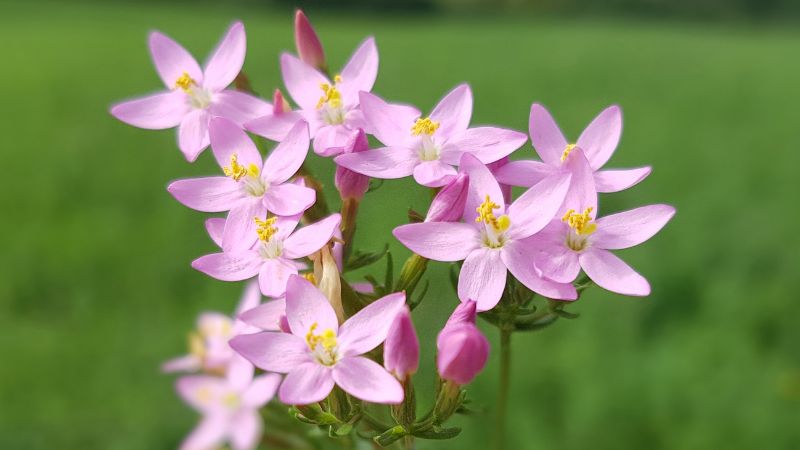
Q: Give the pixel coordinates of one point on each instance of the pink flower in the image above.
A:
(448, 204)
(494, 239)
(270, 252)
(194, 96)
(319, 353)
(331, 108)
(229, 407)
(401, 350)
(462, 350)
(308, 45)
(352, 184)
(598, 142)
(249, 188)
(427, 147)
(577, 241)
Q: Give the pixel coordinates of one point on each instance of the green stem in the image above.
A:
(505, 376)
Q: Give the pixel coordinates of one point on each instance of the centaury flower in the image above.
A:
(194, 95)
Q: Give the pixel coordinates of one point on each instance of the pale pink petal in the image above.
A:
(306, 384)
(367, 329)
(386, 162)
(240, 371)
(453, 112)
(537, 206)
(266, 316)
(311, 238)
(215, 227)
(209, 433)
(391, 124)
(251, 298)
(329, 140)
(629, 228)
(287, 157)
(440, 241)
(274, 126)
(581, 193)
(547, 138)
(364, 288)
(245, 430)
(524, 173)
(239, 107)
(488, 144)
(520, 263)
(482, 278)
(201, 392)
(227, 59)
(557, 262)
(481, 184)
(288, 199)
(612, 273)
(360, 72)
(618, 180)
(275, 352)
(367, 380)
(306, 306)
(154, 112)
(261, 391)
(209, 194)
(187, 363)
(302, 81)
(228, 139)
(229, 266)
(172, 60)
(240, 227)
(274, 275)
(193, 134)
(600, 138)
(433, 173)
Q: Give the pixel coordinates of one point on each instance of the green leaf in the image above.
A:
(362, 259)
(438, 433)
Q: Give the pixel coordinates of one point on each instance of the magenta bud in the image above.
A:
(352, 184)
(283, 324)
(462, 352)
(465, 312)
(448, 205)
(401, 348)
(279, 103)
(308, 45)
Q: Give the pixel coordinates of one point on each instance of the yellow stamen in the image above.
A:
(567, 150)
(238, 171)
(327, 339)
(185, 82)
(231, 400)
(337, 79)
(424, 126)
(197, 346)
(265, 228)
(330, 95)
(310, 277)
(581, 223)
(486, 215)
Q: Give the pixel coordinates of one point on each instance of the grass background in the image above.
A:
(96, 288)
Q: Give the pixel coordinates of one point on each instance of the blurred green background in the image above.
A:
(95, 284)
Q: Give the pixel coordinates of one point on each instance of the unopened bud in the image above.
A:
(462, 352)
(326, 275)
(309, 48)
(465, 312)
(401, 349)
(352, 184)
(448, 205)
(279, 103)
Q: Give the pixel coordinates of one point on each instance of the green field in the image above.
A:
(96, 288)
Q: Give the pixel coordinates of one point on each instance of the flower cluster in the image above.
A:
(333, 349)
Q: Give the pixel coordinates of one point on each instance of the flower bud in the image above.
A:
(465, 312)
(448, 205)
(462, 352)
(401, 348)
(327, 279)
(279, 103)
(352, 184)
(309, 48)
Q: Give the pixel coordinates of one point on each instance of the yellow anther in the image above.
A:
(327, 339)
(424, 126)
(337, 79)
(185, 82)
(486, 215)
(197, 345)
(231, 400)
(238, 171)
(567, 150)
(310, 277)
(330, 95)
(581, 223)
(265, 228)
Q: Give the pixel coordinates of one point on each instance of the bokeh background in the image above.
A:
(95, 284)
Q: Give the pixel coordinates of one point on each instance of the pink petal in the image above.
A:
(251, 298)
(482, 278)
(274, 276)
(261, 391)
(306, 306)
(600, 138)
(275, 352)
(367, 380)
(302, 81)
(227, 60)
(558, 263)
(391, 124)
(519, 261)
(288, 199)
(488, 144)
(240, 228)
(311, 238)
(619, 180)
(285, 159)
(360, 72)
(524, 173)
(465, 312)
(453, 112)
(266, 316)
(547, 138)
(306, 384)
(433, 173)
(172, 60)
(209, 433)
(228, 139)
(229, 266)
(245, 430)
(154, 112)
(215, 226)
(193, 134)
(386, 162)
(629, 228)
(239, 107)
(581, 193)
(274, 126)
(401, 348)
(187, 363)
(209, 194)
(611, 273)
(440, 241)
(481, 184)
(448, 204)
(462, 351)
(329, 140)
(368, 328)
(201, 392)
(239, 371)
(537, 206)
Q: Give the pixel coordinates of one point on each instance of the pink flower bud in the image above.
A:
(351, 184)
(308, 45)
(448, 205)
(279, 103)
(462, 352)
(465, 312)
(284, 324)
(401, 349)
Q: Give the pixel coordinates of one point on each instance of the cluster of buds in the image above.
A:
(331, 348)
